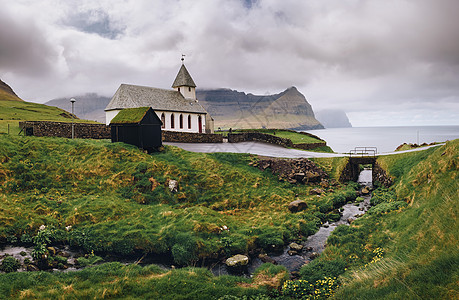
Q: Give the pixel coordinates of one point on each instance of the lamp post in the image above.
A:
(73, 123)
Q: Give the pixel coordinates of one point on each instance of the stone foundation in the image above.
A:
(64, 129)
(187, 137)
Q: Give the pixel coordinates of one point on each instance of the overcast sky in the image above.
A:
(384, 62)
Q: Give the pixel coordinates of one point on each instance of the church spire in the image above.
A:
(183, 78)
(183, 82)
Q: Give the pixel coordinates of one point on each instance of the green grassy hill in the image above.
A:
(12, 112)
(406, 246)
(116, 200)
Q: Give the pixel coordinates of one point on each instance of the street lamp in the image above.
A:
(73, 116)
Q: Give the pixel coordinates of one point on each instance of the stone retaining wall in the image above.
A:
(272, 139)
(64, 129)
(187, 137)
(258, 136)
(379, 174)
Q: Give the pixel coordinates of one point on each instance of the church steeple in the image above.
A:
(184, 83)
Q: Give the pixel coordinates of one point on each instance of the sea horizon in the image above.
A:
(385, 138)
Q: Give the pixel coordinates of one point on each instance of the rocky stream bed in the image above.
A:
(293, 256)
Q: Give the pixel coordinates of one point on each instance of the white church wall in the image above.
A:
(176, 116)
(109, 115)
(187, 92)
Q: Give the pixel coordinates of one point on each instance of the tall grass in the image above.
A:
(419, 241)
(117, 200)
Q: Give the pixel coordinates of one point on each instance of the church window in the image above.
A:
(172, 121)
(163, 119)
(179, 89)
(181, 121)
(189, 121)
(189, 89)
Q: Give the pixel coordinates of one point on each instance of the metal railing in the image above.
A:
(364, 151)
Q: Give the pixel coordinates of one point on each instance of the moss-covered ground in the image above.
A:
(406, 246)
(117, 200)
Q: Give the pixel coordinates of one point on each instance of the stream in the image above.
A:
(312, 247)
(315, 243)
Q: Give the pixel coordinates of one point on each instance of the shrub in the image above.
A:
(385, 207)
(309, 228)
(91, 260)
(319, 269)
(270, 241)
(184, 249)
(10, 264)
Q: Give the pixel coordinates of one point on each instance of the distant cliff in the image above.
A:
(89, 106)
(7, 93)
(233, 109)
(333, 118)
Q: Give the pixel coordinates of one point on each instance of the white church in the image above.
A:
(178, 109)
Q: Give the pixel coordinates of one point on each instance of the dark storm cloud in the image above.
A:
(93, 21)
(345, 54)
(24, 48)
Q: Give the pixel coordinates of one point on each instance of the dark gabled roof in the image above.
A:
(183, 78)
(132, 96)
(130, 115)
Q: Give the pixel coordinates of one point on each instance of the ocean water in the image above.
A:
(386, 139)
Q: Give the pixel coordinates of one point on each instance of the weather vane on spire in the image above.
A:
(183, 58)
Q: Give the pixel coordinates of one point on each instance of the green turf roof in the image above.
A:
(130, 115)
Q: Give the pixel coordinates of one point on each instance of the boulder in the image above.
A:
(32, 268)
(292, 252)
(295, 247)
(266, 259)
(297, 205)
(365, 191)
(316, 191)
(312, 177)
(237, 260)
(325, 184)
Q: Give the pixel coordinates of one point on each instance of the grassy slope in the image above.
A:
(11, 112)
(4, 95)
(104, 191)
(419, 242)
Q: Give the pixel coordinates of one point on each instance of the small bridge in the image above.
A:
(359, 156)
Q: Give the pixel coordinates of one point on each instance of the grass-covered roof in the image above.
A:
(130, 115)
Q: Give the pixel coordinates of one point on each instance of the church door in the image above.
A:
(200, 124)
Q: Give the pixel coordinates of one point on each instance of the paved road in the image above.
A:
(264, 149)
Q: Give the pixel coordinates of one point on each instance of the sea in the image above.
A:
(386, 139)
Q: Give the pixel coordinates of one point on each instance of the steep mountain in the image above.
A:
(7, 93)
(333, 118)
(233, 109)
(89, 106)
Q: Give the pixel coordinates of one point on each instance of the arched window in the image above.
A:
(163, 119)
(189, 89)
(181, 121)
(172, 121)
(189, 121)
(179, 89)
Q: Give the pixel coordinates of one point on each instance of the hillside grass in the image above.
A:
(12, 112)
(406, 246)
(4, 95)
(117, 200)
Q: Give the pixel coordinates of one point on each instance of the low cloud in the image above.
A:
(389, 56)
